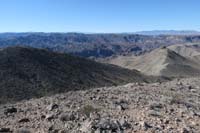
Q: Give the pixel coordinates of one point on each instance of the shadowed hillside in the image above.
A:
(30, 72)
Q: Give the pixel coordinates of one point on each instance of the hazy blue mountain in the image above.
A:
(95, 45)
(169, 32)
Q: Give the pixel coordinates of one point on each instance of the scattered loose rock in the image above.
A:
(67, 117)
(52, 106)
(10, 110)
(24, 120)
(121, 109)
(50, 117)
(5, 130)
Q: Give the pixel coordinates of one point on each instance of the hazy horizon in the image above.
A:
(134, 32)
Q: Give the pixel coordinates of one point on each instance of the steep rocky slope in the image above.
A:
(29, 72)
(136, 107)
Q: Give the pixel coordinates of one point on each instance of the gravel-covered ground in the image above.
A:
(159, 107)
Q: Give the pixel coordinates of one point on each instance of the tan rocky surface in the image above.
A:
(174, 61)
(159, 107)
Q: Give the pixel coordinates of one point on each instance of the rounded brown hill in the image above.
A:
(160, 62)
(28, 72)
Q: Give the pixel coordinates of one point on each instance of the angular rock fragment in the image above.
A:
(23, 120)
(5, 130)
(10, 110)
(52, 106)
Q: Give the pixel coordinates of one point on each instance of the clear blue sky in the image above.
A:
(98, 15)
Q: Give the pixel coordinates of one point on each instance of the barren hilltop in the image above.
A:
(136, 107)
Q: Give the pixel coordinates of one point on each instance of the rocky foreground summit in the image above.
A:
(136, 107)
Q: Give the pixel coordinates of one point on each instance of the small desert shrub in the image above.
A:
(87, 109)
(177, 99)
(173, 97)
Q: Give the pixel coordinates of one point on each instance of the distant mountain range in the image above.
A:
(151, 32)
(169, 32)
(95, 45)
